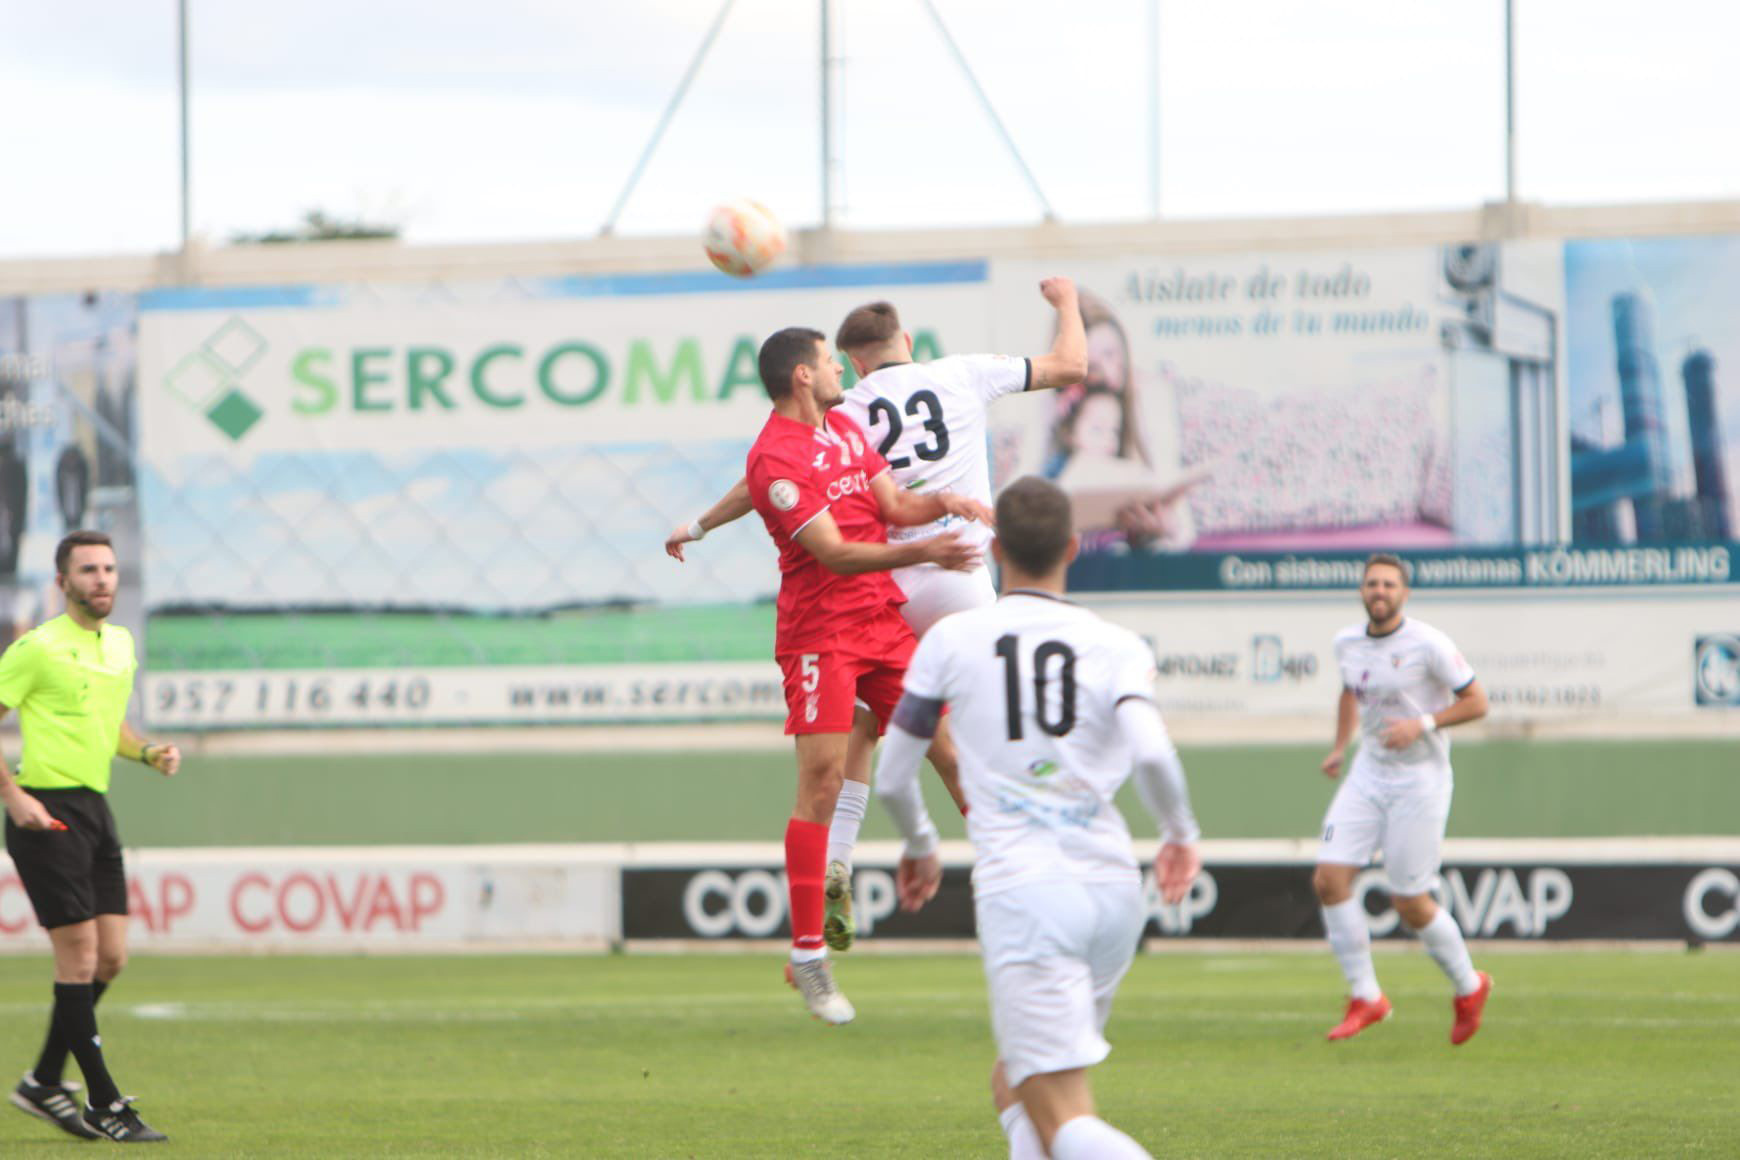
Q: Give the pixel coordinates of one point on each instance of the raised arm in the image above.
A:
(1066, 363)
(733, 505)
(1159, 778)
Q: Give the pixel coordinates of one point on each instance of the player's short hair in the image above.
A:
(1034, 524)
(873, 324)
(1393, 561)
(81, 539)
(782, 354)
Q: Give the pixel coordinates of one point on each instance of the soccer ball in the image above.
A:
(743, 238)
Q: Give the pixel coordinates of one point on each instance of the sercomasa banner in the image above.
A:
(1620, 895)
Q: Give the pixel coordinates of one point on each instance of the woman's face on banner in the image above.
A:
(1098, 428)
(1108, 364)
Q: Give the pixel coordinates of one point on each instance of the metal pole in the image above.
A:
(827, 115)
(990, 109)
(1510, 101)
(665, 118)
(1154, 108)
(186, 139)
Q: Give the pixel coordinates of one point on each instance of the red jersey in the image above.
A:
(797, 472)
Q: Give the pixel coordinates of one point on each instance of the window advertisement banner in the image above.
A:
(446, 504)
(67, 375)
(1654, 401)
(1308, 405)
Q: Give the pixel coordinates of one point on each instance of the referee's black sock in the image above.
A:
(75, 1018)
(51, 1066)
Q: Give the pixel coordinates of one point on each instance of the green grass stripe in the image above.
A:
(1503, 790)
(1587, 1054)
(726, 632)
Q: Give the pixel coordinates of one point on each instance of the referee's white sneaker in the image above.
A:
(815, 982)
(54, 1103)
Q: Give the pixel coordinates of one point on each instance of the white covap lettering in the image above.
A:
(1498, 899)
(754, 903)
(1703, 884)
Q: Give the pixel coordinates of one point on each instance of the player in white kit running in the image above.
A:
(1052, 710)
(1403, 683)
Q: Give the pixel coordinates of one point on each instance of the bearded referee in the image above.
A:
(70, 679)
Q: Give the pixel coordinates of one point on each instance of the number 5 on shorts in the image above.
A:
(811, 670)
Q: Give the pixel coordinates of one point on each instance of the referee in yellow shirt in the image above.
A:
(70, 679)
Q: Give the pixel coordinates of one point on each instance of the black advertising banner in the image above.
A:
(1692, 902)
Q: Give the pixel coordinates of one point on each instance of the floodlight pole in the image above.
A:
(830, 160)
(1154, 108)
(186, 143)
(1510, 102)
(658, 133)
(990, 109)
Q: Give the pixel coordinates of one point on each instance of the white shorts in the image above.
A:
(933, 592)
(1406, 818)
(1054, 953)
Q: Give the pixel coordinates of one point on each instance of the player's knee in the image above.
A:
(1416, 910)
(110, 963)
(1332, 885)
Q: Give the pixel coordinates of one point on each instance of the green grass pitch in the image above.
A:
(1587, 1054)
(1504, 789)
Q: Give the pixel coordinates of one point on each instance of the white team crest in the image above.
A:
(857, 446)
(782, 494)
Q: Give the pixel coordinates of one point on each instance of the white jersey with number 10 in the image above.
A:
(1033, 683)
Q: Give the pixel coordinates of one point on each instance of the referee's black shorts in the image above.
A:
(75, 874)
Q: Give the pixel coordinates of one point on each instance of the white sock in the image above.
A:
(848, 816)
(1091, 1138)
(1350, 939)
(1443, 939)
(1023, 1140)
(808, 954)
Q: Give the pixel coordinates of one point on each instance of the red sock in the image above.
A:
(806, 868)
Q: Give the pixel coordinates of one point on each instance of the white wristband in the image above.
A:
(696, 531)
(1428, 723)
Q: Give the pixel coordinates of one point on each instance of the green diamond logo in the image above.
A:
(209, 378)
(234, 414)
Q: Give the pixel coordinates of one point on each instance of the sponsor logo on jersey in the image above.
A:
(848, 485)
(782, 494)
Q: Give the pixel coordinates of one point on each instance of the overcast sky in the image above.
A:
(521, 119)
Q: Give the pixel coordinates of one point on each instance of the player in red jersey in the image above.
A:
(827, 499)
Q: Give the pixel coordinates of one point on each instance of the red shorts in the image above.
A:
(823, 686)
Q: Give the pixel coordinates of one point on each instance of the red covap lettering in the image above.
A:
(303, 903)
